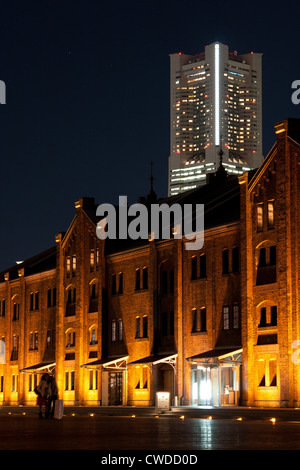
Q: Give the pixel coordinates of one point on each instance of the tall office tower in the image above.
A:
(216, 104)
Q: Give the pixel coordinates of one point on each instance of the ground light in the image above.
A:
(209, 417)
(92, 414)
(181, 417)
(273, 420)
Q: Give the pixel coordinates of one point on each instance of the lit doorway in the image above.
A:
(201, 386)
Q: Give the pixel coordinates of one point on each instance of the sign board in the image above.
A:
(162, 401)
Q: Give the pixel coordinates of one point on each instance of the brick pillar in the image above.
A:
(60, 301)
(284, 260)
(247, 320)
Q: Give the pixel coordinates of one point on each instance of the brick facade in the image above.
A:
(120, 320)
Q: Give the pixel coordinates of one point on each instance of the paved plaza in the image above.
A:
(132, 429)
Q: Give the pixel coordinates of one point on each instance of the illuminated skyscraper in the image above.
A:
(215, 103)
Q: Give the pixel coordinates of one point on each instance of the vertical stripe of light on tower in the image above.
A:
(217, 94)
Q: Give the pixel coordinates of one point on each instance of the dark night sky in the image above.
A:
(88, 98)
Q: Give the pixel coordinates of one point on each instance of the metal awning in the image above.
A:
(39, 368)
(218, 356)
(153, 360)
(118, 362)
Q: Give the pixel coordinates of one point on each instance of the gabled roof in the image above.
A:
(221, 199)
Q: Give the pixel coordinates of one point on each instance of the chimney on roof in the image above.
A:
(85, 203)
(288, 127)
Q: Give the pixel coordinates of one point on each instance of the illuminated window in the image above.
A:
(270, 214)
(267, 373)
(141, 377)
(70, 380)
(93, 336)
(36, 340)
(114, 331)
(272, 373)
(259, 217)
(73, 265)
(145, 377)
(15, 343)
(226, 317)
(120, 330)
(14, 387)
(68, 265)
(92, 260)
(93, 382)
(32, 382)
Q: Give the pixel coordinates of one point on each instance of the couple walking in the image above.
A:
(47, 392)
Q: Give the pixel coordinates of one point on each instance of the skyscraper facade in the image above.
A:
(215, 104)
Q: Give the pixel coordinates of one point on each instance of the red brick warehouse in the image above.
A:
(119, 320)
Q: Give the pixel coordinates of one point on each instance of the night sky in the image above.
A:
(87, 107)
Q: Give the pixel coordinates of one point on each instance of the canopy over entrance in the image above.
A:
(40, 368)
(215, 377)
(156, 359)
(118, 362)
(218, 356)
